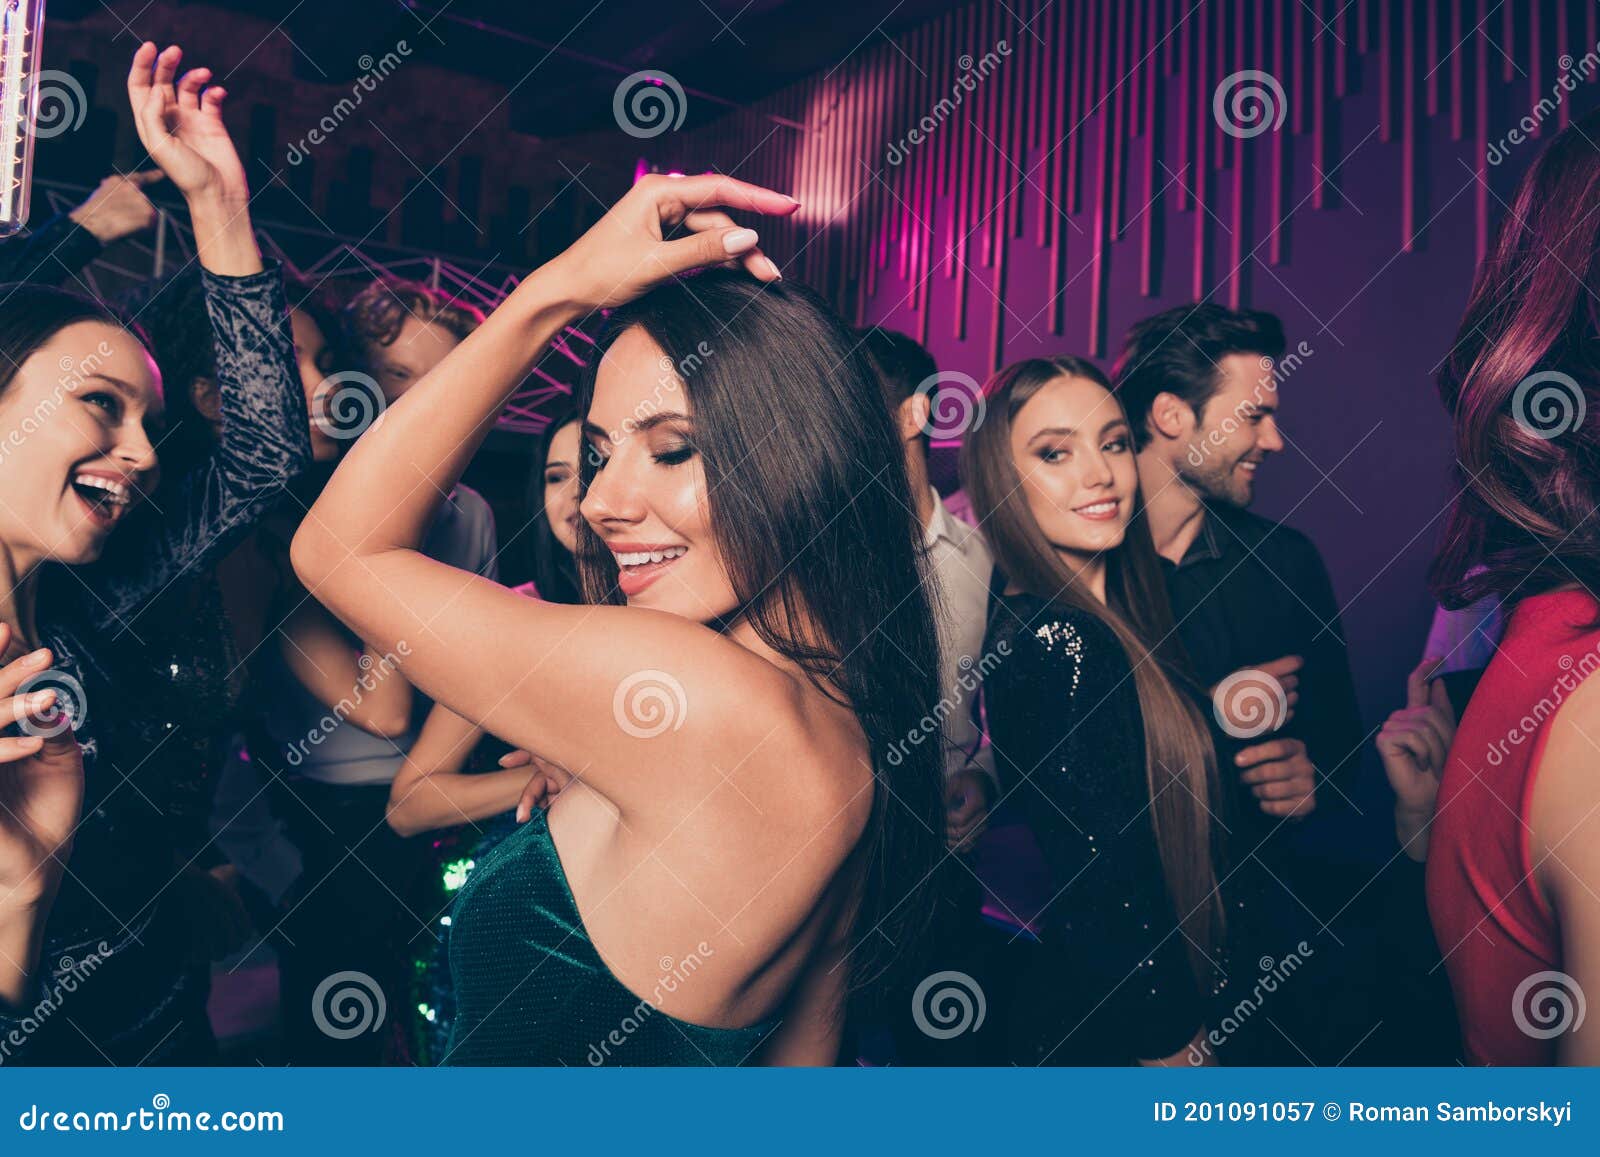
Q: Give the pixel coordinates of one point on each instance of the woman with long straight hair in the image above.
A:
(736, 853)
(1090, 717)
(1513, 853)
(94, 964)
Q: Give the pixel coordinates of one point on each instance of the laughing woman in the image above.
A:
(735, 855)
(92, 967)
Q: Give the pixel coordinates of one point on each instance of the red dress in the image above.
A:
(1501, 943)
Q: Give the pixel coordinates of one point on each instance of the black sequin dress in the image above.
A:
(112, 984)
(1112, 982)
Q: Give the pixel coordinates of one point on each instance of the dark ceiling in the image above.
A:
(564, 58)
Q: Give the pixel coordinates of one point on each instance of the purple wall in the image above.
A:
(1403, 106)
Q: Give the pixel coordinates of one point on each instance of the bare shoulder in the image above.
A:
(816, 765)
(1565, 806)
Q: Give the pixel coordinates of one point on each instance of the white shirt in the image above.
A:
(319, 743)
(959, 565)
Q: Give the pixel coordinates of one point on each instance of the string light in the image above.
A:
(21, 26)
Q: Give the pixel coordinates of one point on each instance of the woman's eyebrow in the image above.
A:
(126, 388)
(1052, 432)
(636, 425)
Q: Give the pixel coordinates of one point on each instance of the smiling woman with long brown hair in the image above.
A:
(1112, 761)
(94, 964)
(735, 855)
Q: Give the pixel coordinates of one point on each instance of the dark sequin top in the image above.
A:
(1113, 983)
(531, 989)
(113, 961)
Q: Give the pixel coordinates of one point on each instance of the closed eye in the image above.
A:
(675, 457)
(106, 401)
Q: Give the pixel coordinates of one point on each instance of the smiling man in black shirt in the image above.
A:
(1255, 608)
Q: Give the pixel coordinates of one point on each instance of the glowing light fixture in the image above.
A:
(21, 28)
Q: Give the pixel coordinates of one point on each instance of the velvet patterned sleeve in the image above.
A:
(264, 443)
(1065, 715)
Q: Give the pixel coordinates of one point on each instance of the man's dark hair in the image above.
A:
(900, 364)
(1178, 351)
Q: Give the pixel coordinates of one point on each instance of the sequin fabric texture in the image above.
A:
(1113, 982)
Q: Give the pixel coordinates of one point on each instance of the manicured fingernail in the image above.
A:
(37, 658)
(41, 699)
(777, 273)
(739, 240)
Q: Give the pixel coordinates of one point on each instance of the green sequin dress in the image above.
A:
(531, 989)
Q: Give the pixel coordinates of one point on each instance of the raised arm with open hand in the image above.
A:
(182, 128)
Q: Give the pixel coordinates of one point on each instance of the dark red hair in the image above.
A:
(1523, 385)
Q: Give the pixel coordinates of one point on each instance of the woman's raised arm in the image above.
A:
(562, 680)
